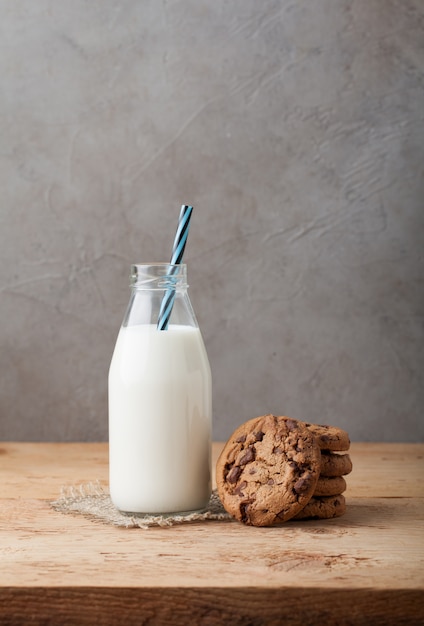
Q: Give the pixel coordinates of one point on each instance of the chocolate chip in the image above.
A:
(234, 474)
(301, 485)
(248, 456)
(238, 490)
(282, 513)
(291, 424)
(244, 506)
(271, 481)
(241, 439)
(277, 450)
(259, 436)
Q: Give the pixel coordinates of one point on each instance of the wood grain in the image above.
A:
(131, 606)
(364, 568)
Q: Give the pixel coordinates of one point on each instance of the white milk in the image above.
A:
(159, 420)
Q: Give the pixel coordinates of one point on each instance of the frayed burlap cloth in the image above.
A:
(94, 501)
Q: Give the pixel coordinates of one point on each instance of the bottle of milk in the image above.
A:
(160, 400)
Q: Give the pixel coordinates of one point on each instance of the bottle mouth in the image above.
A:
(158, 276)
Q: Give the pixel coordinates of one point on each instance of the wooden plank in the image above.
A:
(366, 567)
(209, 607)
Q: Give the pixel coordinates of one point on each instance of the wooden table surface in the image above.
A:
(366, 567)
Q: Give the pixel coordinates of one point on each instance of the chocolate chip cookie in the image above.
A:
(333, 464)
(330, 437)
(330, 486)
(268, 470)
(323, 508)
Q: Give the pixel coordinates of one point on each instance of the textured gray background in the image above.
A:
(296, 130)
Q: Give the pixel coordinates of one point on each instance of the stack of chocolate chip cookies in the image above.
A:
(274, 468)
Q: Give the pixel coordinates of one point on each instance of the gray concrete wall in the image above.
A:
(295, 129)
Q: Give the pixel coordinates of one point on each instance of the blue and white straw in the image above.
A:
(177, 255)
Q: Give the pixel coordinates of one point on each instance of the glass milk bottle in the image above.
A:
(160, 404)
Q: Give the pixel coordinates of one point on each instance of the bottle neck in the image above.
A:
(153, 286)
(158, 276)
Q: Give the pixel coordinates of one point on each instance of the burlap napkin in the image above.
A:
(94, 501)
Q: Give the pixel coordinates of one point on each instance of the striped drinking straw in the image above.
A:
(177, 255)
